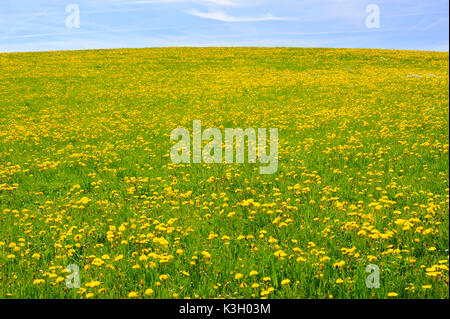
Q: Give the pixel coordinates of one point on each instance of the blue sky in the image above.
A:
(40, 25)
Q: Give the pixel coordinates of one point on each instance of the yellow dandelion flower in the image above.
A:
(285, 282)
(238, 276)
(133, 294)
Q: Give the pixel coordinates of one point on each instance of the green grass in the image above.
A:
(363, 135)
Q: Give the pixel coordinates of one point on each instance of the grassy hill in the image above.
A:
(86, 178)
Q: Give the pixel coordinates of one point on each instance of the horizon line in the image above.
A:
(218, 47)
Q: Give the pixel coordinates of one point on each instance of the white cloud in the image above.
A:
(206, 2)
(434, 24)
(222, 16)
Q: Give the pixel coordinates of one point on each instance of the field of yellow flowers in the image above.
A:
(86, 177)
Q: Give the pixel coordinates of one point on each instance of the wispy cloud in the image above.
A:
(435, 24)
(206, 2)
(222, 16)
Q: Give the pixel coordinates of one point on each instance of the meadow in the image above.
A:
(86, 177)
